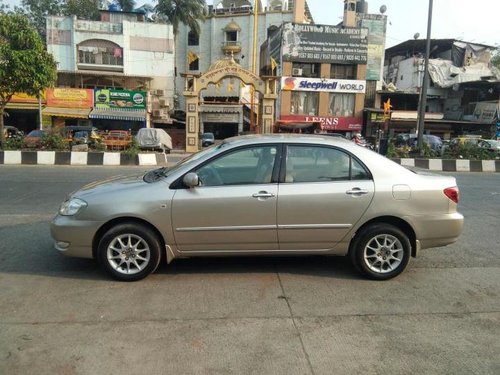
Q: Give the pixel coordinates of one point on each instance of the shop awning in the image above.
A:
(27, 106)
(66, 112)
(118, 114)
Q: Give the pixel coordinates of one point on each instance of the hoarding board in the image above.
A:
(324, 43)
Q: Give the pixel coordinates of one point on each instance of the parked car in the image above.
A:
(12, 132)
(434, 142)
(117, 139)
(81, 135)
(154, 139)
(490, 144)
(207, 139)
(34, 138)
(263, 195)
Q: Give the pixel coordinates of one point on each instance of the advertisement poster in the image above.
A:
(324, 85)
(324, 43)
(120, 99)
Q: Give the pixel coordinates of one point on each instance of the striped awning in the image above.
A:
(66, 112)
(118, 114)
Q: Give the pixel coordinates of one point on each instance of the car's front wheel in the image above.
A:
(129, 251)
(381, 251)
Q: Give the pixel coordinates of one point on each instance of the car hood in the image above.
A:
(113, 185)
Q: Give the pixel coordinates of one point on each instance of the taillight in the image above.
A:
(453, 193)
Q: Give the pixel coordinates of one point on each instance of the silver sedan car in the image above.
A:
(263, 195)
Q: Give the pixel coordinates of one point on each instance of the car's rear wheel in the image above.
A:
(129, 251)
(381, 251)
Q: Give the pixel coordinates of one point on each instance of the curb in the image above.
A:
(80, 158)
(451, 165)
(159, 159)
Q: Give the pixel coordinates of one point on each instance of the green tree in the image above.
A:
(25, 66)
(127, 5)
(38, 10)
(83, 9)
(187, 12)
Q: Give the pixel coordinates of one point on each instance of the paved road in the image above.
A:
(242, 316)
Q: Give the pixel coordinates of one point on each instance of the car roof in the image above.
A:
(286, 138)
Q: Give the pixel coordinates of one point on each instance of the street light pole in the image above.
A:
(423, 93)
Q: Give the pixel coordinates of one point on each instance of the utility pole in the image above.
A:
(423, 94)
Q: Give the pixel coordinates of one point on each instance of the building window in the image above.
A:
(304, 103)
(195, 65)
(231, 36)
(343, 71)
(193, 39)
(341, 105)
(100, 52)
(305, 70)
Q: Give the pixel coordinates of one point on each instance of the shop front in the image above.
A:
(68, 107)
(119, 110)
(23, 112)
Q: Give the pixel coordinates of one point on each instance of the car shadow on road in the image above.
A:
(28, 249)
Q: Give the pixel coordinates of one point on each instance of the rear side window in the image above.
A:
(306, 163)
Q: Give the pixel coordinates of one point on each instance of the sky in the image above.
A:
(469, 20)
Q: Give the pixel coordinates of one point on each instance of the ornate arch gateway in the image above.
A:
(226, 68)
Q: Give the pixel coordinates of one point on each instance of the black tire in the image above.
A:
(380, 251)
(129, 251)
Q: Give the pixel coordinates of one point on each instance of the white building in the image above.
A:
(118, 52)
(229, 31)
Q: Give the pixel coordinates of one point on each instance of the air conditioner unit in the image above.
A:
(159, 92)
(163, 102)
(157, 113)
(296, 72)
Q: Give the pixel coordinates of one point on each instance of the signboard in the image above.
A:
(20, 97)
(70, 98)
(486, 112)
(326, 85)
(123, 99)
(329, 122)
(324, 43)
(376, 25)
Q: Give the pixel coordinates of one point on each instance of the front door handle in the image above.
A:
(263, 194)
(356, 191)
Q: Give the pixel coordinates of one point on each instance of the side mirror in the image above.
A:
(191, 180)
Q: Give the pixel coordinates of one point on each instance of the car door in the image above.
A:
(234, 208)
(325, 191)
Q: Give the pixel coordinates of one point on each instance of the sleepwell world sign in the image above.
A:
(324, 43)
(319, 84)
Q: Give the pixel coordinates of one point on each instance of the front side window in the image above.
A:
(304, 103)
(341, 105)
(321, 164)
(251, 165)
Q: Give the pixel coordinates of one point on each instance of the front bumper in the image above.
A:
(73, 237)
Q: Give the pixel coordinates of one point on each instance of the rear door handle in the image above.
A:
(263, 194)
(356, 191)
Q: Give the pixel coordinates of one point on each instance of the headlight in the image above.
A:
(72, 207)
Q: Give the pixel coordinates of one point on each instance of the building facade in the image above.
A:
(233, 28)
(463, 94)
(130, 61)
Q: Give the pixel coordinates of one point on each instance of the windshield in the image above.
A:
(190, 159)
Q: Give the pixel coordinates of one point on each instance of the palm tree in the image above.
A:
(188, 12)
(126, 5)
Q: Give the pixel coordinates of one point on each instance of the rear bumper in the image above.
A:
(435, 231)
